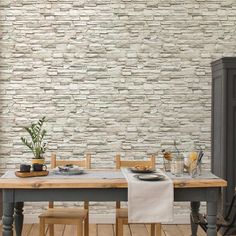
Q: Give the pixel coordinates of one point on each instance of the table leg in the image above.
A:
(19, 218)
(194, 211)
(7, 219)
(211, 218)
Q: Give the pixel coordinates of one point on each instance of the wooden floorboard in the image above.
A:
(70, 230)
(138, 230)
(186, 230)
(26, 229)
(171, 230)
(127, 231)
(109, 230)
(33, 231)
(59, 230)
(93, 229)
(148, 226)
(105, 230)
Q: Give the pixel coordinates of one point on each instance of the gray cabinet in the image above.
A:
(224, 124)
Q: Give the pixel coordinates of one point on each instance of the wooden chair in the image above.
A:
(70, 216)
(122, 213)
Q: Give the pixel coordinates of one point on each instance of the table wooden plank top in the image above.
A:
(76, 182)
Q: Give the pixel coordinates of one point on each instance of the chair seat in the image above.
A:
(61, 213)
(122, 212)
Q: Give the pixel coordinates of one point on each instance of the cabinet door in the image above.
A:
(218, 129)
(231, 135)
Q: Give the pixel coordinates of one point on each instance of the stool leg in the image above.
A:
(51, 230)
(41, 227)
(158, 229)
(86, 226)
(80, 228)
(116, 226)
(119, 227)
(153, 230)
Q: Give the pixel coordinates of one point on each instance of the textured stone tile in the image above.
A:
(110, 76)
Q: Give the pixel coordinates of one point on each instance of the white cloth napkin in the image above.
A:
(149, 201)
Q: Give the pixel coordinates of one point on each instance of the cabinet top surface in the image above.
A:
(224, 60)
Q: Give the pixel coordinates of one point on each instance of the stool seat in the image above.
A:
(61, 213)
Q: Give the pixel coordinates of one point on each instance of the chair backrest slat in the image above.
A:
(132, 163)
(86, 163)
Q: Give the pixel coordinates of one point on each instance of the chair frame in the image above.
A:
(120, 221)
(86, 163)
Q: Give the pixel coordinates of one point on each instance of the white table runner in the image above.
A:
(149, 201)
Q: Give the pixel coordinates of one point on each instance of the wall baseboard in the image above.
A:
(105, 219)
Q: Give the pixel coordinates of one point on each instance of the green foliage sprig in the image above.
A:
(37, 134)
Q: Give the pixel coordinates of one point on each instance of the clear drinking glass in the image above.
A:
(196, 170)
(177, 167)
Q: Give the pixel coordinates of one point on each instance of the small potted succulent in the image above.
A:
(37, 144)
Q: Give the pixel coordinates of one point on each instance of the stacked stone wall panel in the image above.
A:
(111, 77)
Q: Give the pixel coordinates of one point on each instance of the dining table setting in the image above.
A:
(150, 193)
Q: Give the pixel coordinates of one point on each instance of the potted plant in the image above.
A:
(37, 144)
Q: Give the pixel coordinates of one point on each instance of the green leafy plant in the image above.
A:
(37, 134)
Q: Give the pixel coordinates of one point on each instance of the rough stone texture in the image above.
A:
(110, 76)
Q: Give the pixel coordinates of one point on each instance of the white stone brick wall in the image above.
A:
(111, 76)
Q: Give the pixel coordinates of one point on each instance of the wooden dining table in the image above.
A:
(16, 191)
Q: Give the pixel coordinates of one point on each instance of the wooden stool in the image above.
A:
(70, 216)
(122, 213)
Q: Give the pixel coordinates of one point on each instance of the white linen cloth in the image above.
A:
(149, 201)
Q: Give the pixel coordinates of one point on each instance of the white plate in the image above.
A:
(136, 170)
(71, 172)
(64, 170)
(151, 177)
